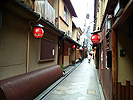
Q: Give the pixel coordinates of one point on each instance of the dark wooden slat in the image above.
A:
(123, 93)
(131, 92)
(127, 90)
(125, 14)
(119, 90)
(114, 64)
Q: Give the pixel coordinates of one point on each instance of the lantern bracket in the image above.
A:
(96, 32)
(39, 25)
(34, 21)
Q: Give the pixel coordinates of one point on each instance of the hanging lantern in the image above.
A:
(82, 49)
(95, 38)
(38, 31)
(73, 46)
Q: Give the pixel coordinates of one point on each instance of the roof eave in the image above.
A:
(70, 7)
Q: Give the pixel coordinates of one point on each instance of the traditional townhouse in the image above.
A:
(28, 65)
(114, 53)
(77, 51)
(64, 23)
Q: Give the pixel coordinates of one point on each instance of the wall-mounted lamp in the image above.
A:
(122, 53)
(80, 48)
(108, 28)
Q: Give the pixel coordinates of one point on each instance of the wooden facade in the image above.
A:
(116, 80)
(105, 72)
(125, 92)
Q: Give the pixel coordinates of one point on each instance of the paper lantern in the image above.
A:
(73, 46)
(95, 38)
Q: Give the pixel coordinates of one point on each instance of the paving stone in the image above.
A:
(81, 84)
(91, 92)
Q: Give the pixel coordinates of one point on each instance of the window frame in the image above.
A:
(66, 15)
(40, 52)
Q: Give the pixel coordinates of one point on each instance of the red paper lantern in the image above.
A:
(95, 39)
(38, 32)
(73, 46)
(82, 49)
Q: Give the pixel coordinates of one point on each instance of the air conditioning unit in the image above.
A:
(69, 33)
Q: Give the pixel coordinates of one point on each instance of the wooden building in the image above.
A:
(114, 53)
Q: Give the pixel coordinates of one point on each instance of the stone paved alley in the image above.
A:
(81, 84)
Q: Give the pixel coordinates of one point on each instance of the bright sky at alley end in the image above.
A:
(83, 7)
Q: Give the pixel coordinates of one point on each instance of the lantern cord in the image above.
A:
(35, 20)
(28, 44)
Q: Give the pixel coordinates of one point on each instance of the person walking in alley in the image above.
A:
(89, 58)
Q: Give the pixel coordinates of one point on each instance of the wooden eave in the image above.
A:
(27, 13)
(70, 7)
(70, 40)
(128, 10)
(95, 8)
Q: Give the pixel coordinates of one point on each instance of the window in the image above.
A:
(47, 50)
(66, 15)
(107, 42)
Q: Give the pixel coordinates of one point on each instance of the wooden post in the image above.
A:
(127, 90)
(131, 92)
(123, 92)
(114, 64)
(119, 91)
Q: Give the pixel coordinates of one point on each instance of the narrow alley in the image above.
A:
(81, 84)
(45, 46)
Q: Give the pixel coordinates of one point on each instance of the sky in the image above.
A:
(83, 7)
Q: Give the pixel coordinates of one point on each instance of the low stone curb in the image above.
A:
(45, 93)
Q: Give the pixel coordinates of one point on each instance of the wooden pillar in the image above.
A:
(114, 64)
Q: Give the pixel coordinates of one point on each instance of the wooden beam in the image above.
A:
(114, 64)
(131, 92)
(123, 97)
(119, 91)
(128, 10)
(127, 90)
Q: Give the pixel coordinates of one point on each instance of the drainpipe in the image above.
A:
(58, 12)
(59, 39)
(27, 52)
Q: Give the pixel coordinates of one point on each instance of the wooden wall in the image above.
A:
(125, 92)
